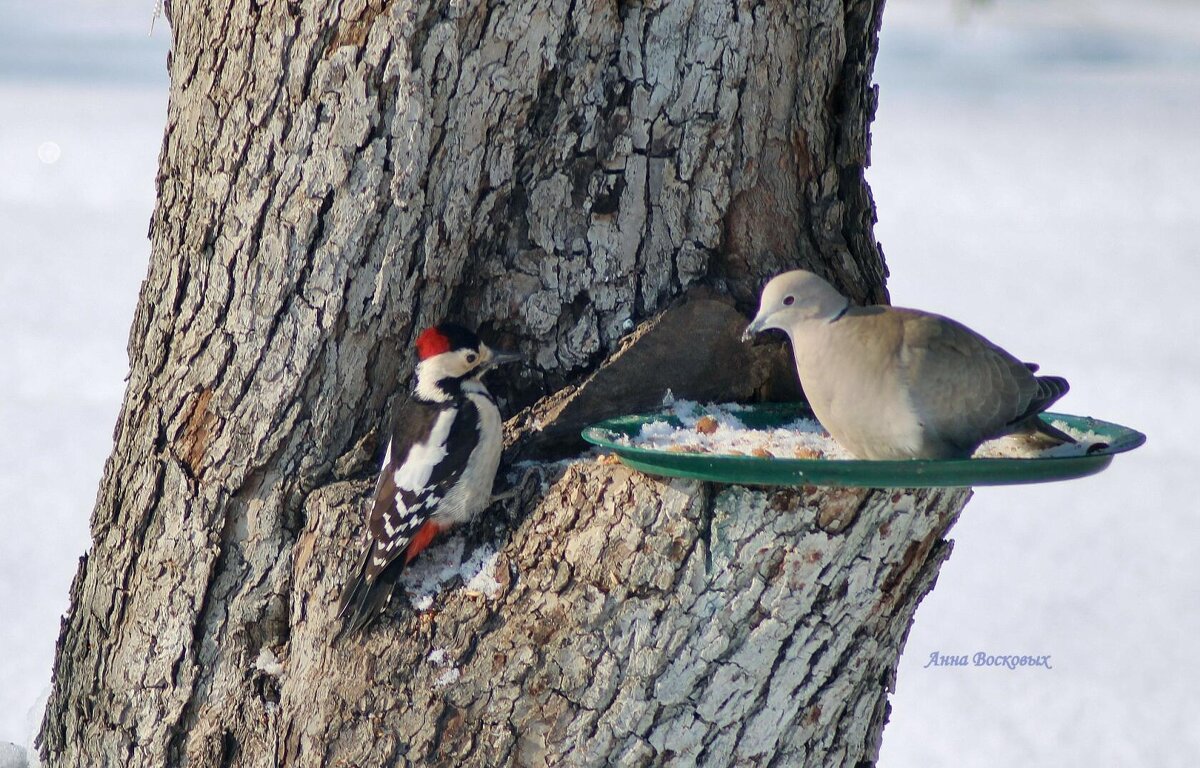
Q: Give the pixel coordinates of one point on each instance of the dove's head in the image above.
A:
(794, 298)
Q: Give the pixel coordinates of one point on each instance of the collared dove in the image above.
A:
(891, 383)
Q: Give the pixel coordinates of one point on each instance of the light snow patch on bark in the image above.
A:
(440, 657)
(268, 663)
(447, 563)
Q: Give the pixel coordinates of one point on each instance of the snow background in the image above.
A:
(82, 75)
(1035, 169)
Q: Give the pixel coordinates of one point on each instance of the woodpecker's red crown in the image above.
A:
(444, 337)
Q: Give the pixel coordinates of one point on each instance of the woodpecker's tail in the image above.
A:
(362, 601)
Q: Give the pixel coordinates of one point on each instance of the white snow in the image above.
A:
(12, 756)
(440, 657)
(448, 676)
(1035, 167)
(716, 429)
(268, 663)
(1021, 447)
(479, 571)
(86, 78)
(443, 564)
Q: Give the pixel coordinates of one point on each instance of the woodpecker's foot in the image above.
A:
(497, 498)
(516, 488)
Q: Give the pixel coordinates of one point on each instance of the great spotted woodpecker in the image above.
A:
(439, 466)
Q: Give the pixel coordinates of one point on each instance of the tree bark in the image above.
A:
(336, 176)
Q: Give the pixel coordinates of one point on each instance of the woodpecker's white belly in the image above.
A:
(473, 492)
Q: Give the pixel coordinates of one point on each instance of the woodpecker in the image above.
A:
(439, 465)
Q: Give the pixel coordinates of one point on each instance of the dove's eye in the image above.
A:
(789, 301)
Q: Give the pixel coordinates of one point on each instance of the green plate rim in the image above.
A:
(914, 473)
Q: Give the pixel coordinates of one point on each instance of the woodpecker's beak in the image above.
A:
(500, 357)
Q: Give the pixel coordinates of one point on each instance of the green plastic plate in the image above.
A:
(915, 473)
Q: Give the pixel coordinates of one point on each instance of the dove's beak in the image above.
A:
(752, 330)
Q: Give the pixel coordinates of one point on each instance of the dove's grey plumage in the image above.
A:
(891, 383)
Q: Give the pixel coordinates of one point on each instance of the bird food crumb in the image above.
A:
(718, 429)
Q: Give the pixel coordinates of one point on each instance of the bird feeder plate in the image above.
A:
(912, 473)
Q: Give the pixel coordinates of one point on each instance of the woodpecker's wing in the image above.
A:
(430, 446)
(428, 456)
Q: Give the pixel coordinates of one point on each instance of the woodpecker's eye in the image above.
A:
(472, 357)
(789, 301)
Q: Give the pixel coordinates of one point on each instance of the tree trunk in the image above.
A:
(335, 177)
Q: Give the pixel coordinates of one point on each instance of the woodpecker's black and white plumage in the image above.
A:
(439, 466)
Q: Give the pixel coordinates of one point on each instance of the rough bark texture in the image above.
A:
(641, 622)
(335, 176)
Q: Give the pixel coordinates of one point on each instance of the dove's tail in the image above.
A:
(1050, 389)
